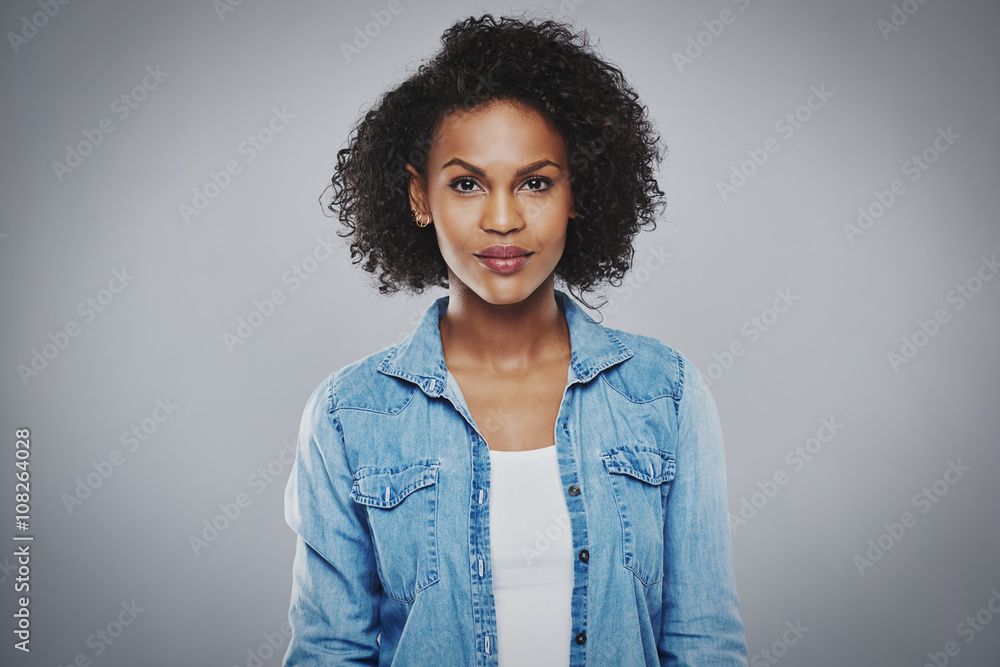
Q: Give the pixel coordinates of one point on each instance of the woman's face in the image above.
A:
(497, 175)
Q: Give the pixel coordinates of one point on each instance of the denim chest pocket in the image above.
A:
(640, 477)
(402, 512)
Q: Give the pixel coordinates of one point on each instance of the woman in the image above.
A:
(513, 483)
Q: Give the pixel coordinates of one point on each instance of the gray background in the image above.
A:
(826, 357)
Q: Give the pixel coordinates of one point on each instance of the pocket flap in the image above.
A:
(387, 487)
(643, 462)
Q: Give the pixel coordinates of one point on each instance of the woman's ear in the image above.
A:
(418, 190)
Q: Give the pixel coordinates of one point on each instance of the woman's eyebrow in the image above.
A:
(479, 172)
(465, 165)
(535, 165)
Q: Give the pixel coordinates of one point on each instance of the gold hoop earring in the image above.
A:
(422, 219)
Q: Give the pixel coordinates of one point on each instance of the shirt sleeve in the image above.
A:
(335, 585)
(701, 624)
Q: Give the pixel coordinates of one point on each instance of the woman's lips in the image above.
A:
(500, 265)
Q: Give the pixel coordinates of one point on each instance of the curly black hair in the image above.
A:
(612, 145)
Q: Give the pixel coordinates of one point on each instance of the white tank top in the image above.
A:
(532, 553)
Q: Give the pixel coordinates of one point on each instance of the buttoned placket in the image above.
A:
(593, 349)
(576, 506)
(479, 544)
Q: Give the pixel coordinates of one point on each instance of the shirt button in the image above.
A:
(574, 490)
(584, 555)
(581, 638)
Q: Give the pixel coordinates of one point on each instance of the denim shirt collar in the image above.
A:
(419, 358)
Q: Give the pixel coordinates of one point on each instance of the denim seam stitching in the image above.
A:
(426, 481)
(629, 398)
(379, 412)
(668, 459)
(335, 421)
(414, 486)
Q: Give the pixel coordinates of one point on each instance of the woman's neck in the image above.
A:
(503, 338)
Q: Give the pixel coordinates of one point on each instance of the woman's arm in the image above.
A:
(701, 624)
(335, 584)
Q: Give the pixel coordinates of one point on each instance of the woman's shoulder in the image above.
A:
(653, 368)
(359, 384)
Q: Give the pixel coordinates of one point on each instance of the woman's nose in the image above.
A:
(502, 213)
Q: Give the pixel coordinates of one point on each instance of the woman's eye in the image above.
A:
(537, 183)
(464, 185)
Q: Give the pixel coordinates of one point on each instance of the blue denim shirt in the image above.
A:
(390, 498)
